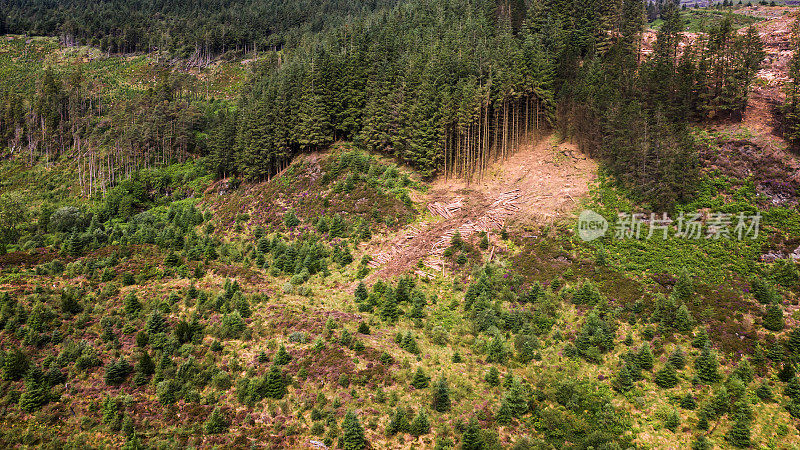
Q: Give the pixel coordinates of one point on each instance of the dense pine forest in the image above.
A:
(351, 225)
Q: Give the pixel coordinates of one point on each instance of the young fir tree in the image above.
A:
(684, 322)
(672, 421)
(667, 377)
(441, 396)
(623, 382)
(739, 434)
(389, 309)
(217, 423)
(274, 384)
(773, 318)
(504, 414)
(471, 439)
(420, 425)
(517, 399)
(353, 437)
(132, 304)
(791, 106)
(744, 371)
(420, 380)
(677, 358)
(706, 366)
(399, 423)
(702, 339)
(688, 402)
(282, 357)
(645, 357)
(493, 376)
(361, 293)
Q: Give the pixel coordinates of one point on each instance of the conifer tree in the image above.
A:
(274, 386)
(420, 425)
(645, 357)
(492, 376)
(701, 340)
(684, 322)
(389, 309)
(132, 304)
(361, 293)
(471, 439)
(155, 322)
(792, 389)
(353, 437)
(677, 358)
(739, 434)
(420, 380)
(504, 415)
(282, 357)
(667, 377)
(36, 394)
(706, 366)
(217, 423)
(441, 396)
(623, 381)
(496, 353)
(516, 398)
(688, 402)
(399, 423)
(672, 421)
(773, 318)
(744, 371)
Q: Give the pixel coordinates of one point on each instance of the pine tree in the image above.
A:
(645, 357)
(504, 415)
(667, 377)
(701, 443)
(706, 366)
(399, 423)
(773, 318)
(688, 402)
(623, 381)
(516, 398)
(217, 423)
(132, 304)
(764, 392)
(496, 353)
(684, 322)
(155, 322)
(701, 340)
(791, 106)
(361, 293)
(744, 371)
(672, 421)
(420, 381)
(794, 341)
(493, 376)
(441, 396)
(684, 287)
(793, 389)
(36, 394)
(15, 365)
(290, 219)
(677, 358)
(787, 372)
(274, 386)
(739, 434)
(471, 439)
(389, 309)
(353, 438)
(282, 357)
(420, 425)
